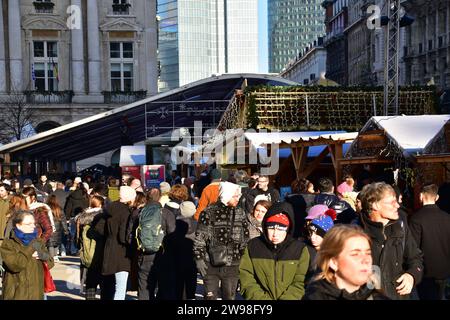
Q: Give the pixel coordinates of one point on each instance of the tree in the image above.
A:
(16, 118)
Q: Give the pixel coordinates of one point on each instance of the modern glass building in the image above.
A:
(204, 37)
(293, 25)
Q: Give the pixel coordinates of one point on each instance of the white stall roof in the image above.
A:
(411, 133)
(258, 139)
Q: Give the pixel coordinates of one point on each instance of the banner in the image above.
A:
(153, 175)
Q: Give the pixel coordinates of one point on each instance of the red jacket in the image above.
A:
(43, 225)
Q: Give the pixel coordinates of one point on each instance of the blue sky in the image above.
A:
(262, 37)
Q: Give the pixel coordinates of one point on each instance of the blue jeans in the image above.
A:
(121, 285)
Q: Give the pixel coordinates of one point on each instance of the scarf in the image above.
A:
(26, 238)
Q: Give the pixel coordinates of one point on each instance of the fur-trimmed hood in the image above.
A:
(87, 216)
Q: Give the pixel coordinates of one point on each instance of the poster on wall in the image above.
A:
(135, 171)
(153, 175)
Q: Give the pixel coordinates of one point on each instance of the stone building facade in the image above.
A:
(76, 58)
(427, 45)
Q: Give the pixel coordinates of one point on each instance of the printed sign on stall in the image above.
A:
(153, 175)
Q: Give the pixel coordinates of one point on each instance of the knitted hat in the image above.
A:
(27, 182)
(260, 197)
(127, 194)
(279, 219)
(321, 225)
(227, 191)
(164, 187)
(317, 210)
(187, 209)
(215, 174)
(344, 187)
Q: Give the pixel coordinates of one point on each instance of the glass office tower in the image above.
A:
(293, 25)
(198, 38)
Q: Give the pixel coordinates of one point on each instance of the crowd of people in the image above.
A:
(238, 234)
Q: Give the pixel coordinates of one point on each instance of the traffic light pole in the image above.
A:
(391, 71)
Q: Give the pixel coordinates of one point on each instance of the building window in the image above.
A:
(43, 6)
(45, 66)
(121, 7)
(121, 54)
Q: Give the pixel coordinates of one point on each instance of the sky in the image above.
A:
(262, 37)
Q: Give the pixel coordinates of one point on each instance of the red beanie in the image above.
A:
(279, 218)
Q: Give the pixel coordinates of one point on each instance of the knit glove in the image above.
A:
(201, 267)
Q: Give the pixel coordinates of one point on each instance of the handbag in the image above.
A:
(49, 285)
(218, 255)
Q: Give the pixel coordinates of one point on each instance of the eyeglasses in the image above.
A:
(28, 224)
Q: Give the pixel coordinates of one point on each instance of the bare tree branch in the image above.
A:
(17, 118)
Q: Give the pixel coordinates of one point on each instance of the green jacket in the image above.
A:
(269, 274)
(274, 272)
(4, 208)
(24, 275)
(113, 194)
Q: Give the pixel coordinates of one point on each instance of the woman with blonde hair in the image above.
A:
(345, 261)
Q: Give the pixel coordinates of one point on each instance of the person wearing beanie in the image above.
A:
(165, 189)
(317, 229)
(222, 231)
(274, 265)
(185, 269)
(210, 193)
(116, 258)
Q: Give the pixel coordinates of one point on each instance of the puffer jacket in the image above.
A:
(395, 251)
(24, 275)
(274, 272)
(213, 227)
(324, 290)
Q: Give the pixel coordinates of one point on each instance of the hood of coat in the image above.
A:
(88, 215)
(324, 290)
(276, 208)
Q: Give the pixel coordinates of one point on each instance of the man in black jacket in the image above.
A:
(430, 227)
(394, 250)
(222, 225)
(263, 188)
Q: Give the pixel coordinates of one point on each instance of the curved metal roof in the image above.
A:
(128, 124)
